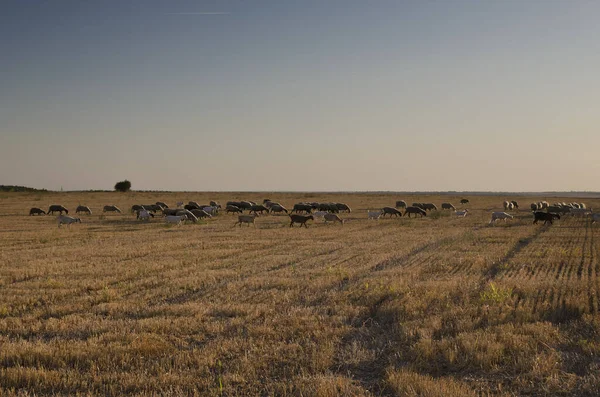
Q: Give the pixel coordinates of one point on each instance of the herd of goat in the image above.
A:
(302, 212)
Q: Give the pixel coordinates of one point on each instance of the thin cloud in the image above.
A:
(198, 13)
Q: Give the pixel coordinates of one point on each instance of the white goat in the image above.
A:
(174, 219)
(320, 214)
(187, 214)
(212, 210)
(67, 220)
(462, 213)
(144, 215)
(500, 215)
(333, 218)
(375, 214)
(580, 211)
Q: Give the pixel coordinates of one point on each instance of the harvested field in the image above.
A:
(432, 306)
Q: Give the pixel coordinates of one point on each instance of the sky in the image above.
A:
(330, 95)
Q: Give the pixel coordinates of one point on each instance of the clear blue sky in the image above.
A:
(311, 95)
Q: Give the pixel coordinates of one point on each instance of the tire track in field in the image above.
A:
(596, 273)
(556, 300)
(559, 278)
(521, 244)
(582, 260)
(561, 286)
(303, 254)
(411, 259)
(592, 299)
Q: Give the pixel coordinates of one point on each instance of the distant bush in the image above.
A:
(123, 186)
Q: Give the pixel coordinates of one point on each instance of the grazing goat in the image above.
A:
(259, 208)
(83, 208)
(36, 211)
(270, 204)
(515, 204)
(343, 207)
(544, 216)
(277, 208)
(163, 205)
(174, 219)
(416, 211)
(215, 204)
(248, 219)
(301, 219)
(188, 214)
(500, 215)
(429, 207)
(375, 214)
(232, 208)
(560, 209)
(303, 208)
(111, 208)
(212, 210)
(152, 207)
(201, 213)
(333, 218)
(448, 206)
(234, 204)
(391, 211)
(136, 208)
(464, 201)
(579, 211)
(67, 220)
(462, 213)
(506, 205)
(246, 205)
(534, 207)
(400, 204)
(144, 215)
(57, 208)
(596, 217)
(329, 207)
(320, 214)
(171, 211)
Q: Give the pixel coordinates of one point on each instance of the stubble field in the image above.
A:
(437, 306)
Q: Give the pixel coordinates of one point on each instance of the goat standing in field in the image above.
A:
(111, 208)
(83, 208)
(301, 219)
(462, 213)
(375, 214)
(37, 211)
(144, 215)
(175, 219)
(333, 218)
(67, 220)
(500, 215)
(57, 208)
(248, 219)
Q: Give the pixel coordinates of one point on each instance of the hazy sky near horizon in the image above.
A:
(310, 95)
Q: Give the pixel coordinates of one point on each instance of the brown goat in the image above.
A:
(301, 219)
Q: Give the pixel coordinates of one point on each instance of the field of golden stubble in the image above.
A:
(437, 306)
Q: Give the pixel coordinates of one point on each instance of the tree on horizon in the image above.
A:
(123, 186)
